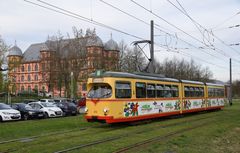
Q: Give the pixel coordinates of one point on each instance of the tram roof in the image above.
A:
(192, 82)
(146, 76)
(214, 84)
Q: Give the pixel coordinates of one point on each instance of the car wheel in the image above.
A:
(46, 115)
(25, 117)
(1, 119)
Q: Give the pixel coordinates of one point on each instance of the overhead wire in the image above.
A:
(226, 20)
(77, 16)
(185, 13)
(141, 6)
(158, 28)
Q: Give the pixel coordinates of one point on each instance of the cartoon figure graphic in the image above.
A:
(203, 103)
(186, 104)
(135, 110)
(209, 103)
(126, 110)
(177, 105)
(131, 109)
(158, 107)
(161, 108)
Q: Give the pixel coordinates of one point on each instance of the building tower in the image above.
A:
(14, 60)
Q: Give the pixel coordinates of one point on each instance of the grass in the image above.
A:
(220, 134)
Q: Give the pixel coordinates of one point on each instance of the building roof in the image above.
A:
(33, 52)
(15, 51)
(94, 40)
(111, 45)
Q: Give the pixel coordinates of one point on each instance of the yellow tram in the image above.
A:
(124, 97)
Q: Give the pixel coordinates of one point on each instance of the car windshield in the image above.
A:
(47, 104)
(4, 106)
(28, 107)
(100, 91)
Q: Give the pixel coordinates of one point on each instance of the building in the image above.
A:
(30, 71)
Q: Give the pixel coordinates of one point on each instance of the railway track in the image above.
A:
(26, 140)
(158, 138)
(109, 139)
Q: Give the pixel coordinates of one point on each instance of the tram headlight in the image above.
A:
(86, 109)
(105, 111)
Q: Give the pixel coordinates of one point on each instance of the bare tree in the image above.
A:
(132, 59)
(3, 49)
(182, 69)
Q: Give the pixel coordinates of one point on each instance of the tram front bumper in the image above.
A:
(98, 118)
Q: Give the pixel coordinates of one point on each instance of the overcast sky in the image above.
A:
(28, 24)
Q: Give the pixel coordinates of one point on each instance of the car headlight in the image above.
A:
(30, 113)
(86, 109)
(6, 113)
(105, 111)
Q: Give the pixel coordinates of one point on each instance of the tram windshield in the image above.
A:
(100, 91)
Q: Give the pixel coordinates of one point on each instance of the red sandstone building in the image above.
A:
(27, 71)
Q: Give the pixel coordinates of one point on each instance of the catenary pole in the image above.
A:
(152, 48)
(230, 92)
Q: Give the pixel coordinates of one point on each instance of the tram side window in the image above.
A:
(160, 91)
(186, 92)
(201, 92)
(151, 91)
(123, 90)
(217, 92)
(167, 91)
(196, 92)
(191, 90)
(221, 92)
(210, 92)
(174, 90)
(140, 90)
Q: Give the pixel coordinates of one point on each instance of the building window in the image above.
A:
(36, 77)
(36, 88)
(14, 79)
(29, 68)
(22, 68)
(43, 89)
(36, 67)
(22, 78)
(43, 66)
(29, 88)
(29, 78)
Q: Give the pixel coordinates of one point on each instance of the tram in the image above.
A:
(115, 97)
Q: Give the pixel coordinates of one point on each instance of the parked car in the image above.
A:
(45, 94)
(26, 101)
(68, 108)
(58, 100)
(49, 109)
(8, 114)
(47, 100)
(27, 112)
(81, 104)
